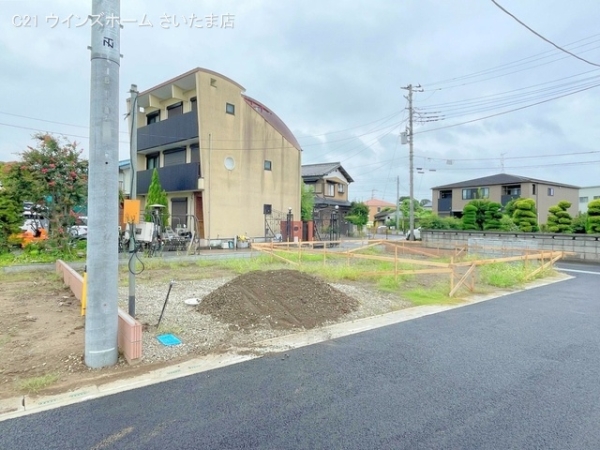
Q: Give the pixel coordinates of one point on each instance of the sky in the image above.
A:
(490, 95)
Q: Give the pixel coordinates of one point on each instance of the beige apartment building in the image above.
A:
(226, 161)
(450, 199)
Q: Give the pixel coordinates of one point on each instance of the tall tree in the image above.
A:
(54, 174)
(10, 219)
(156, 196)
(474, 214)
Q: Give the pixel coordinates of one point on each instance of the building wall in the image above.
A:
(234, 197)
(542, 198)
(586, 195)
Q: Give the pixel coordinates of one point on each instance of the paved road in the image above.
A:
(520, 372)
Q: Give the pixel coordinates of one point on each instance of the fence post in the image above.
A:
(452, 273)
(395, 263)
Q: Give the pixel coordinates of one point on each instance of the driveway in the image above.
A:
(519, 372)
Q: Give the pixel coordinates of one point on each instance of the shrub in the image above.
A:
(593, 217)
(559, 220)
(525, 215)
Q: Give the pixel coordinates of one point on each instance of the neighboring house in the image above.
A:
(385, 216)
(376, 206)
(329, 182)
(586, 195)
(225, 160)
(125, 177)
(450, 199)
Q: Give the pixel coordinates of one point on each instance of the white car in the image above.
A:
(79, 231)
(417, 234)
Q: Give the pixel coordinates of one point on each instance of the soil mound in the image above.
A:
(278, 299)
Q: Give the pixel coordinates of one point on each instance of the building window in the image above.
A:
(583, 199)
(551, 192)
(596, 197)
(194, 103)
(512, 190)
(340, 188)
(153, 117)
(175, 110)
(267, 165)
(330, 189)
(213, 82)
(475, 193)
(378, 209)
(152, 161)
(229, 108)
(533, 189)
(174, 156)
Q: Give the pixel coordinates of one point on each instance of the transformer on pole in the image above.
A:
(101, 320)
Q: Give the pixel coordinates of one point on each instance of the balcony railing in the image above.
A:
(169, 131)
(445, 205)
(507, 198)
(179, 177)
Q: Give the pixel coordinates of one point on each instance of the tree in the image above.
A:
(10, 219)
(405, 210)
(474, 214)
(593, 219)
(559, 220)
(156, 196)
(509, 208)
(579, 223)
(358, 215)
(492, 216)
(52, 174)
(525, 215)
(307, 202)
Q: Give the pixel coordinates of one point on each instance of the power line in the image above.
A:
(542, 37)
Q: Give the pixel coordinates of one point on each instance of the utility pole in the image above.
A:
(410, 88)
(133, 193)
(397, 203)
(101, 319)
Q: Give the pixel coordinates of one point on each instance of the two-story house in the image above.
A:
(586, 195)
(450, 199)
(225, 160)
(329, 183)
(376, 206)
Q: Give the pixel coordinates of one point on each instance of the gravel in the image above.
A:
(201, 334)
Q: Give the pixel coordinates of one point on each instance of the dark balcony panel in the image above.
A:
(174, 129)
(444, 205)
(507, 198)
(180, 177)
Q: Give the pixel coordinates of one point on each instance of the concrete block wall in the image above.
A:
(129, 335)
(578, 247)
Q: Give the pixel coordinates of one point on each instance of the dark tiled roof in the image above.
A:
(500, 178)
(273, 120)
(315, 171)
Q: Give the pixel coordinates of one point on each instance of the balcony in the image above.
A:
(445, 205)
(504, 199)
(179, 177)
(169, 131)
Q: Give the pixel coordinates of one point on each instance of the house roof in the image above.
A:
(500, 178)
(273, 120)
(316, 171)
(381, 214)
(377, 202)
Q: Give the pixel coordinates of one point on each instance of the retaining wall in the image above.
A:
(129, 330)
(577, 247)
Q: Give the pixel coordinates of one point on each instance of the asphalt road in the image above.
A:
(519, 372)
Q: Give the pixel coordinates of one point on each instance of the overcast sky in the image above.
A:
(333, 71)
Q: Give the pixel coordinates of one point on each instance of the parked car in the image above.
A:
(417, 234)
(80, 230)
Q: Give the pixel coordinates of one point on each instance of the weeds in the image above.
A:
(36, 384)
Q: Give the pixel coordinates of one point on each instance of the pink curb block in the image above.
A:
(129, 330)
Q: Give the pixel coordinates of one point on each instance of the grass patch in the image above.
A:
(389, 283)
(36, 384)
(435, 295)
(503, 275)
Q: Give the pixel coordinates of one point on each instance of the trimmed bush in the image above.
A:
(525, 215)
(593, 217)
(559, 220)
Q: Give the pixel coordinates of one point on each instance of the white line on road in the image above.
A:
(578, 271)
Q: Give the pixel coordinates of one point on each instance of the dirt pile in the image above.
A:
(277, 299)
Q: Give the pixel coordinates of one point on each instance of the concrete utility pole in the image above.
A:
(397, 203)
(133, 193)
(409, 133)
(101, 320)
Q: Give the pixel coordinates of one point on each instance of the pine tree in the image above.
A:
(156, 196)
(525, 215)
(559, 220)
(593, 217)
(492, 216)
